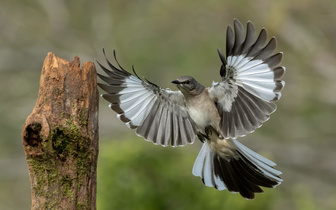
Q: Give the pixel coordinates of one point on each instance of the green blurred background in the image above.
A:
(165, 39)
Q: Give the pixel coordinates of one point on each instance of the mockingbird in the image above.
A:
(241, 102)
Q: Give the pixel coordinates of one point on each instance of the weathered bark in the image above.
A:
(60, 136)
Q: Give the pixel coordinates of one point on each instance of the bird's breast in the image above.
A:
(203, 111)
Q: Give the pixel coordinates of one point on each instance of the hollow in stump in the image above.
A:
(60, 136)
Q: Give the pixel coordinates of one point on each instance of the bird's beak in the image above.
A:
(175, 82)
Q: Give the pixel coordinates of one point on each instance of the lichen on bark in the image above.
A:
(60, 137)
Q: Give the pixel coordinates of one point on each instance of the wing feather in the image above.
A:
(251, 81)
(159, 115)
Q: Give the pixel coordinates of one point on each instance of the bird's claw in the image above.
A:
(200, 137)
(208, 130)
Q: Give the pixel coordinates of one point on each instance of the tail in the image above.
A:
(244, 174)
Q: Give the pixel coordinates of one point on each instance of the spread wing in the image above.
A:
(159, 115)
(251, 81)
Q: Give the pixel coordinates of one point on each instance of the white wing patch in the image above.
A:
(159, 115)
(255, 76)
(251, 81)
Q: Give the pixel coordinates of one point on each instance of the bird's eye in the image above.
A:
(187, 82)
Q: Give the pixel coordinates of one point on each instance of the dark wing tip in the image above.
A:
(114, 53)
(230, 39)
(237, 22)
(250, 24)
(115, 58)
(274, 60)
(135, 72)
(221, 56)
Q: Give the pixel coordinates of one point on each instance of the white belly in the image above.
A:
(203, 111)
(201, 118)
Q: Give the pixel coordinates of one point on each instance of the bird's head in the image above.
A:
(188, 85)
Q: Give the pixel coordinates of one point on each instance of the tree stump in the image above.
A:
(60, 136)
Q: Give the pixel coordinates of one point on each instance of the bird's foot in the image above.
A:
(202, 137)
(209, 130)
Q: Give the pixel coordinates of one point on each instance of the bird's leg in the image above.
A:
(209, 130)
(202, 137)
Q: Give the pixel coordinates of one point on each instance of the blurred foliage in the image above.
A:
(165, 39)
(128, 180)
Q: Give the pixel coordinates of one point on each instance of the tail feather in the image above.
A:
(223, 171)
(245, 173)
(253, 174)
(261, 163)
(204, 168)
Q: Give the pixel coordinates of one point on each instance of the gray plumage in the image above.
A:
(240, 103)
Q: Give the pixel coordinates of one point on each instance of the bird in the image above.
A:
(244, 98)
